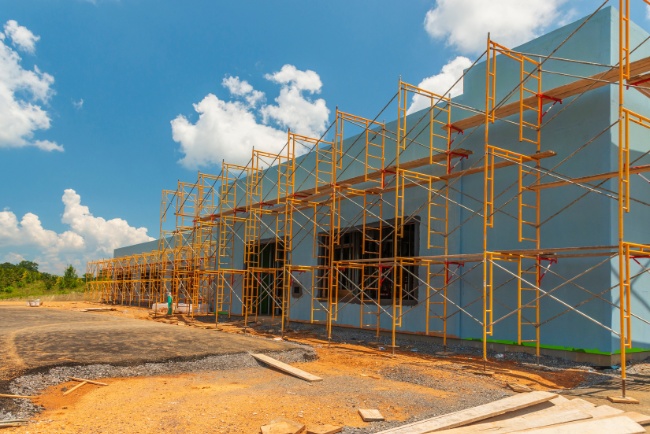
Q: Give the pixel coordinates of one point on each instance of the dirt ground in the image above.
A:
(402, 386)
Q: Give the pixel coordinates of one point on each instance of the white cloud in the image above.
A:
(442, 83)
(88, 238)
(78, 104)
(464, 24)
(229, 129)
(293, 110)
(243, 88)
(21, 36)
(13, 258)
(23, 93)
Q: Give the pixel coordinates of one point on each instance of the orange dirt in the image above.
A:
(240, 401)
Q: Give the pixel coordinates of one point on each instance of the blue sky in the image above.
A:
(99, 99)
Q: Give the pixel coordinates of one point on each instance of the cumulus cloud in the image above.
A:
(442, 83)
(229, 129)
(78, 104)
(88, 237)
(242, 88)
(293, 110)
(464, 24)
(23, 93)
(21, 36)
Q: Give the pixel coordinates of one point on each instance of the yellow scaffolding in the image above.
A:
(256, 206)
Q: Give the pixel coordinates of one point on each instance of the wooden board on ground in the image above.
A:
(4, 395)
(283, 426)
(641, 419)
(370, 415)
(475, 414)
(529, 421)
(622, 400)
(75, 388)
(519, 388)
(612, 425)
(324, 429)
(286, 368)
(99, 383)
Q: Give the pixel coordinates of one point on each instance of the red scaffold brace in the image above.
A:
(550, 261)
(385, 172)
(542, 97)
(459, 264)
(638, 82)
(451, 154)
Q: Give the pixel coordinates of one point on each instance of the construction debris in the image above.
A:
(286, 368)
(88, 381)
(99, 309)
(475, 414)
(533, 413)
(519, 388)
(283, 426)
(370, 415)
(324, 429)
(75, 388)
(4, 395)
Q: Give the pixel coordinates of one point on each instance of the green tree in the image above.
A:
(70, 278)
(28, 265)
(49, 280)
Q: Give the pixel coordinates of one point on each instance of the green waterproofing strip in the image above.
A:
(561, 348)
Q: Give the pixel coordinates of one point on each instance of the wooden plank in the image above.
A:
(612, 425)
(88, 381)
(519, 388)
(370, 415)
(324, 429)
(633, 171)
(562, 92)
(4, 395)
(286, 368)
(641, 419)
(529, 421)
(11, 424)
(474, 414)
(283, 426)
(310, 194)
(75, 388)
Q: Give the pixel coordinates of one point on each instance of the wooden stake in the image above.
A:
(75, 388)
(88, 381)
(4, 395)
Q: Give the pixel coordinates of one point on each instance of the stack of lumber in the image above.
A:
(532, 413)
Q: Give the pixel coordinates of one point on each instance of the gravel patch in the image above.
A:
(34, 384)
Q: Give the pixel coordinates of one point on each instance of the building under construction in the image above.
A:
(515, 213)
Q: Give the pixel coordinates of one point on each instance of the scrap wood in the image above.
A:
(324, 429)
(11, 424)
(75, 388)
(612, 425)
(88, 381)
(519, 388)
(529, 421)
(4, 395)
(286, 368)
(370, 415)
(474, 414)
(283, 426)
(641, 419)
(98, 309)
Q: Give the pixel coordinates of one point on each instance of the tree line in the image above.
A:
(25, 274)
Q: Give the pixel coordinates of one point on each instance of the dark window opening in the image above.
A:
(379, 278)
